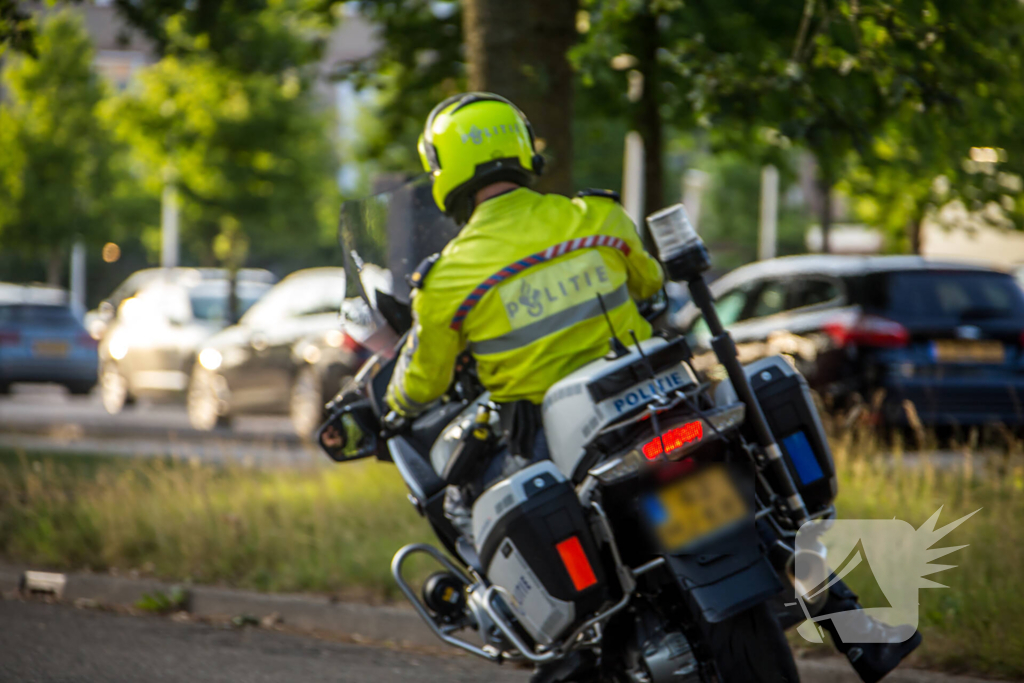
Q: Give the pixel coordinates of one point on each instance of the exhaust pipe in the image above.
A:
(809, 573)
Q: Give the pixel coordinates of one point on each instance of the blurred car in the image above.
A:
(253, 367)
(148, 346)
(325, 362)
(947, 337)
(96, 320)
(42, 340)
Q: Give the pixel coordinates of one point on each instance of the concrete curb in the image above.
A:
(384, 624)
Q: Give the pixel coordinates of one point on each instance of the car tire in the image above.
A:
(81, 388)
(114, 392)
(307, 402)
(204, 406)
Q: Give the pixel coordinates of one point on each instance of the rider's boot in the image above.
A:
(872, 648)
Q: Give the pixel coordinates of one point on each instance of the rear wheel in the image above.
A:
(113, 389)
(203, 403)
(80, 388)
(751, 648)
(307, 402)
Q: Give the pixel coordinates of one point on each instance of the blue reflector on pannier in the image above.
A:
(802, 456)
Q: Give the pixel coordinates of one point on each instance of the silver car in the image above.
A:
(149, 345)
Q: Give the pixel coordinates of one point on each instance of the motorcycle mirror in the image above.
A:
(345, 435)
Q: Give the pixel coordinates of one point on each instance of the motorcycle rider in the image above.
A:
(530, 286)
(525, 284)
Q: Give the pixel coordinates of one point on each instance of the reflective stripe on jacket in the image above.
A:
(530, 327)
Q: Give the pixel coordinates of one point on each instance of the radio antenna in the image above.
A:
(657, 392)
(618, 349)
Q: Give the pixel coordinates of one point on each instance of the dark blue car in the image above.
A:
(42, 340)
(941, 340)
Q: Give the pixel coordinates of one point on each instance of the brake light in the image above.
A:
(674, 439)
(9, 338)
(867, 330)
(576, 563)
(340, 340)
(86, 341)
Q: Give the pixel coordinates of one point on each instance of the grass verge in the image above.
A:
(335, 529)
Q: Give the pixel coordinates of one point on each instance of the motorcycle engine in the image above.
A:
(662, 654)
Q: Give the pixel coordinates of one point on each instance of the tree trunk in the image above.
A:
(646, 115)
(914, 226)
(54, 267)
(518, 50)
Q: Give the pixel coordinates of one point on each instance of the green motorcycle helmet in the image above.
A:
(472, 140)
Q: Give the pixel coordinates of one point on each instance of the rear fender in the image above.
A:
(727, 576)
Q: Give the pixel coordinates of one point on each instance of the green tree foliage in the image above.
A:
(265, 36)
(16, 28)
(832, 76)
(61, 175)
(420, 62)
(231, 118)
(730, 211)
(251, 155)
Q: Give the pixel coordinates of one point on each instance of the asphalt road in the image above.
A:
(44, 418)
(44, 643)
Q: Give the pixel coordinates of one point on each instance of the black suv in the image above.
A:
(945, 337)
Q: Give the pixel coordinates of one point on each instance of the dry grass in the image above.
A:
(332, 529)
(335, 529)
(976, 624)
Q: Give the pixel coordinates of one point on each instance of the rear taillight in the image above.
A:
(340, 340)
(9, 338)
(674, 439)
(867, 330)
(86, 341)
(576, 563)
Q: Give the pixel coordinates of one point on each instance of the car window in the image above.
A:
(956, 295)
(22, 314)
(156, 303)
(730, 307)
(814, 291)
(770, 300)
(299, 296)
(209, 300)
(321, 295)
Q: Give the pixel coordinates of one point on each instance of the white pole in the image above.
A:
(169, 226)
(769, 223)
(633, 177)
(694, 183)
(77, 277)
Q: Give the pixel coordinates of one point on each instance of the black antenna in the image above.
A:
(657, 390)
(618, 349)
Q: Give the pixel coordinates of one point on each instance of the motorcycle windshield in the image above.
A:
(384, 237)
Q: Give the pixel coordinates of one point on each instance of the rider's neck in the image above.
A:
(493, 190)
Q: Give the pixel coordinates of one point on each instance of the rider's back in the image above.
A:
(520, 285)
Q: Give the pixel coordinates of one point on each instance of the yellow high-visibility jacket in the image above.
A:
(519, 287)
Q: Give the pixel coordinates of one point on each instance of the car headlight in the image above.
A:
(118, 346)
(210, 359)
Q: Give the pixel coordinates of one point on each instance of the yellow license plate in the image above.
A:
(693, 507)
(50, 349)
(968, 351)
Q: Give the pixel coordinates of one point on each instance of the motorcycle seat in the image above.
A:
(416, 470)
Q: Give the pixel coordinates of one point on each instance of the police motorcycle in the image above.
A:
(656, 544)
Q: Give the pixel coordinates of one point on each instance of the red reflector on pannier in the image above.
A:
(576, 563)
(674, 438)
